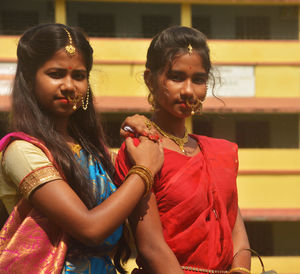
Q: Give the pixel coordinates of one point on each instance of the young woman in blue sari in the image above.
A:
(55, 180)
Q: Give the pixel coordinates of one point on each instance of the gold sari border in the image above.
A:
(36, 178)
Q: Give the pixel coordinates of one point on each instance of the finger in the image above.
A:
(160, 146)
(144, 139)
(129, 143)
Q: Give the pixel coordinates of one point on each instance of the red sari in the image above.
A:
(197, 202)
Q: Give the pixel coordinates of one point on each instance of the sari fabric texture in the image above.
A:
(30, 243)
(197, 202)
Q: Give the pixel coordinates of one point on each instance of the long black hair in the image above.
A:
(36, 46)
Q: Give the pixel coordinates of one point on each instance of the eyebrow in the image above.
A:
(64, 69)
(180, 71)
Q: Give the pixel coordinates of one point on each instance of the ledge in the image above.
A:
(277, 214)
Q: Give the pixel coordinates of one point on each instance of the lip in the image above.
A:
(63, 100)
(183, 105)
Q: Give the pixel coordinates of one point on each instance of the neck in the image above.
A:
(61, 126)
(169, 123)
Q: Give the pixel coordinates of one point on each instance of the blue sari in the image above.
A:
(103, 188)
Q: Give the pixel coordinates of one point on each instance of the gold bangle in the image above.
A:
(239, 268)
(145, 168)
(145, 174)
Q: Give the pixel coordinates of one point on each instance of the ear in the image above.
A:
(148, 79)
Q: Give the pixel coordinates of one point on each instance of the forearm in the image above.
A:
(242, 256)
(61, 205)
(160, 260)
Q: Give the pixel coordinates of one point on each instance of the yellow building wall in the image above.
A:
(119, 64)
(271, 190)
(120, 80)
(277, 81)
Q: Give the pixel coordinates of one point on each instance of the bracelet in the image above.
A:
(239, 268)
(146, 175)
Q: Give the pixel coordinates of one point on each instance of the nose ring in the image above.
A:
(195, 106)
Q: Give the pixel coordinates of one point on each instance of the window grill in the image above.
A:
(153, 24)
(15, 22)
(252, 27)
(101, 25)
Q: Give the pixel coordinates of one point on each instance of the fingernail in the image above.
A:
(151, 137)
(144, 133)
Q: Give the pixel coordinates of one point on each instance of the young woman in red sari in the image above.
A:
(191, 222)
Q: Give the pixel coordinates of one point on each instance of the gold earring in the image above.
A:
(151, 101)
(85, 105)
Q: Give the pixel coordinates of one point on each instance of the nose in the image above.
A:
(187, 90)
(68, 84)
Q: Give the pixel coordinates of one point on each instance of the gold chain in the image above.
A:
(179, 141)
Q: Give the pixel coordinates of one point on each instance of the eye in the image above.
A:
(199, 79)
(79, 75)
(175, 76)
(56, 74)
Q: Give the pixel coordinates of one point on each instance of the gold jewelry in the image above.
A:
(151, 101)
(196, 106)
(70, 49)
(74, 100)
(85, 105)
(190, 49)
(148, 124)
(203, 270)
(239, 269)
(145, 173)
(179, 141)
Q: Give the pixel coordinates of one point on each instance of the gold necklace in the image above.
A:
(179, 141)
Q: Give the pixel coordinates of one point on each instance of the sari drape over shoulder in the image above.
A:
(197, 202)
(30, 243)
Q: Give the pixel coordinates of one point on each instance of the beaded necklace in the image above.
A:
(179, 141)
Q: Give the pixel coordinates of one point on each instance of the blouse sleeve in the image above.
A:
(123, 163)
(28, 167)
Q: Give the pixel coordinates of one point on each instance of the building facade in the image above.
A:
(255, 50)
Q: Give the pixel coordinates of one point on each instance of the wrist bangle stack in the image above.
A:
(145, 173)
(238, 269)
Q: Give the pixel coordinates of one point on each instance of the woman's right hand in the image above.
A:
(148, 153)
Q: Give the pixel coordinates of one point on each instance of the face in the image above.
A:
(58, 81)
(181, 85)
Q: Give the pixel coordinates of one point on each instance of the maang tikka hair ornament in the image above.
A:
(190, 49)
(70, 49)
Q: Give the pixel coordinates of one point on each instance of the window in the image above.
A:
(152, 24)
(274, 238)
(202, 126)
(15, 22)
(202, 23)
(252, 27)
(102, 25)
(253, 134)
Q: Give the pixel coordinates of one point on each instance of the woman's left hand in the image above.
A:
(137, 125)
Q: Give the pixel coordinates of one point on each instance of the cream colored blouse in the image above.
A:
(24, 167)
